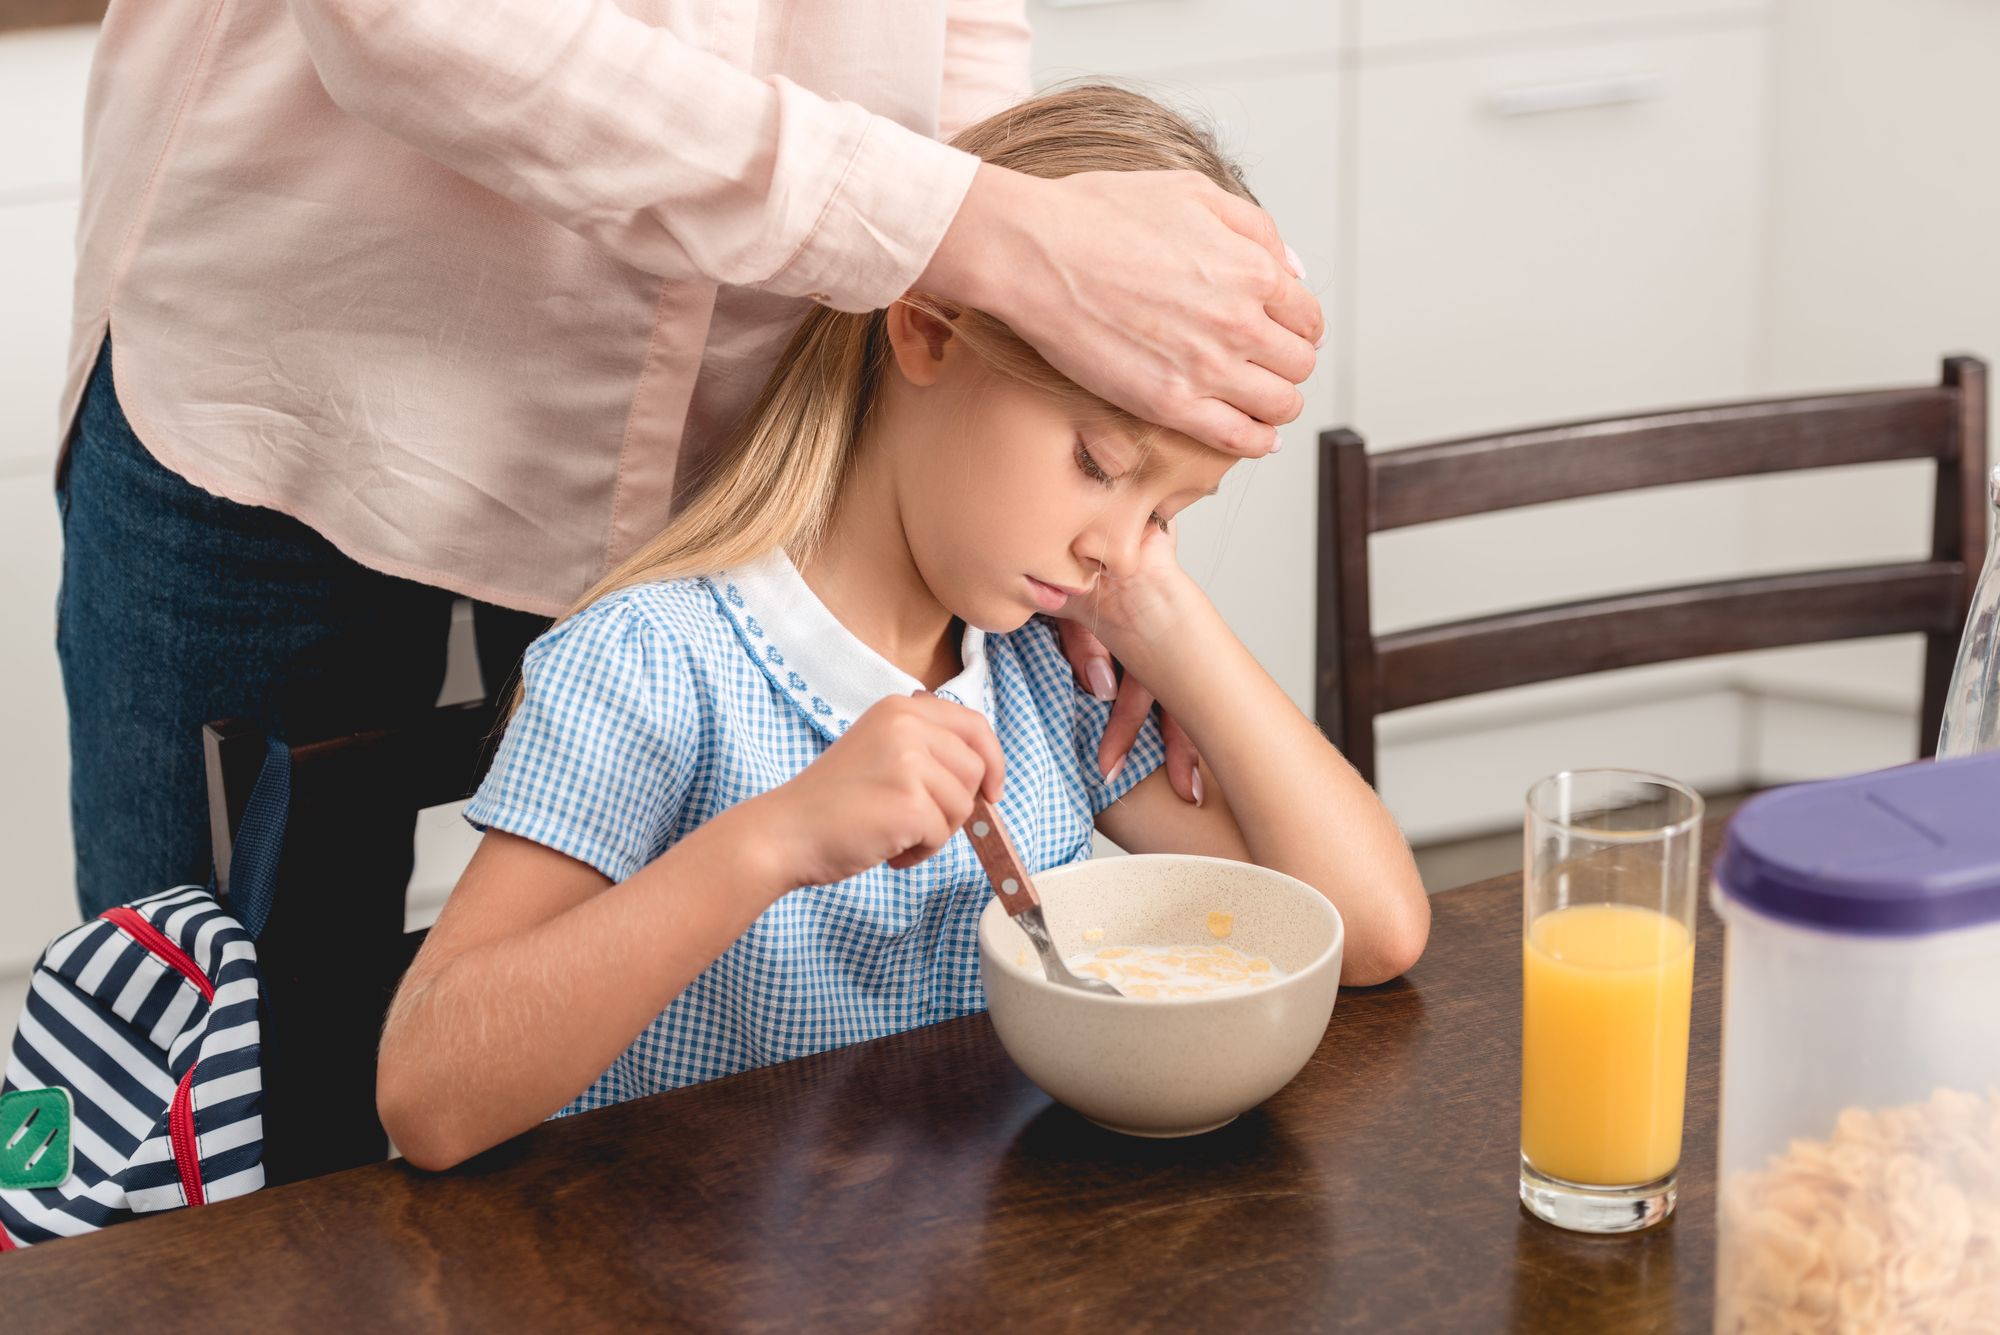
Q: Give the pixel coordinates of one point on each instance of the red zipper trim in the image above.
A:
(180, 1133)
(155, 941)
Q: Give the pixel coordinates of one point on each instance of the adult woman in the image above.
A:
(381, 304)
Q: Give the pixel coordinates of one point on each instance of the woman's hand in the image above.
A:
(1158, 291)
(893, 789)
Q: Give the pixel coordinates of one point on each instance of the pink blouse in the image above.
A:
(467, 285)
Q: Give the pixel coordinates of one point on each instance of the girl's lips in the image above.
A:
(1050, 597)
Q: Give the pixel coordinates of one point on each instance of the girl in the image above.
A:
(722, 828)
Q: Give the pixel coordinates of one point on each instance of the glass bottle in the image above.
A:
(1972, 705)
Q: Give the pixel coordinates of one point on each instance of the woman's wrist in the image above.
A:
(984, 239)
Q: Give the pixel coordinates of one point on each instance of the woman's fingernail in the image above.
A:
(1102, 684)
(1197, 787)
(1277, 444)
(1320, 342)
(1298, 265)
(1112, 773)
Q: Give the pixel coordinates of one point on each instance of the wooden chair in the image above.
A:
(1362, 674)
(334, 947)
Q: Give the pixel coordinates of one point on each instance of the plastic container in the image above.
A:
(1860, 1155)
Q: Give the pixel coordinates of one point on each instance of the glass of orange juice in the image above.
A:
(1607, 973)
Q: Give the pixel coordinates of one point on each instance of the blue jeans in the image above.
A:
(179, 607)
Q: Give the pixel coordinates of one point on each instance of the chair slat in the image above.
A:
(440, 759)
(1541, 644)
(1474, 476)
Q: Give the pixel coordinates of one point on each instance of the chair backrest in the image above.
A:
(334, 947)
(1362, 674)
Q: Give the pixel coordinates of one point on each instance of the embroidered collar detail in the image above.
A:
(819, 664)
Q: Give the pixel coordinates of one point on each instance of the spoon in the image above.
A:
(1017, 894)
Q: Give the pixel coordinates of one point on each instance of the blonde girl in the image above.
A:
(722, 829)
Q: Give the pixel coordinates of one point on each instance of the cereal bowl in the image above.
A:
(1165, 1067)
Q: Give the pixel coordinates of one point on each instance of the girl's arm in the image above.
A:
(540, 972)
(1275, 792)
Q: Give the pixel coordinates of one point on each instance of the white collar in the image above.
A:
(819, 664)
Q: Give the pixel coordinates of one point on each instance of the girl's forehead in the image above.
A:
(1181, 461)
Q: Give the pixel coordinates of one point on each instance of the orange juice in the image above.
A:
(1604, 1038)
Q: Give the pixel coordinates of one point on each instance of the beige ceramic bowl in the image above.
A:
(1164, 1068)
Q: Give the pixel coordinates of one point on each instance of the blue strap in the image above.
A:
(253, 857)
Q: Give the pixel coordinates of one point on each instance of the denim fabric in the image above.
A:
(179, 607)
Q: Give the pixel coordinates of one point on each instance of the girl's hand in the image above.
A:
(1142, 613)
(1094, 668)
(1137, 612)
(893, 789)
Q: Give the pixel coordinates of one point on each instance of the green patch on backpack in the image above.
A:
(34, 1138)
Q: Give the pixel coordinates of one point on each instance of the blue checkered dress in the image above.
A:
(666, 703)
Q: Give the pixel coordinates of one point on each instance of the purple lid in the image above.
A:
(1897, 852)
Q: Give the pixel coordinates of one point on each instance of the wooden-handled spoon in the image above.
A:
(1017, 893)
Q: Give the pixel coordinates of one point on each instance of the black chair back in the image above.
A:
(334, 948)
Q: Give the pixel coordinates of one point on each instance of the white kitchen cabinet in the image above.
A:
(1394, 23)
(1143, 36)
(1527, 268)
(1885, 189)
(1511, 270)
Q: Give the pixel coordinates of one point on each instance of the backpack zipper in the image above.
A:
(180, 1113)
(180, 1134)
(156, 943)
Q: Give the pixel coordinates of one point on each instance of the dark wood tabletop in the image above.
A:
(920, 1183)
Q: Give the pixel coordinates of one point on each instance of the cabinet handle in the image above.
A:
(1604, 92)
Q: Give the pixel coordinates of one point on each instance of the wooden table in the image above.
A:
(920, 1183)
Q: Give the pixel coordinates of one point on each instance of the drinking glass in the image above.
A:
(1607, 973)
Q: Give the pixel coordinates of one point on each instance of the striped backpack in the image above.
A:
(135, 1081)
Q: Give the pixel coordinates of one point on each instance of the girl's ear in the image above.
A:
(919, 339)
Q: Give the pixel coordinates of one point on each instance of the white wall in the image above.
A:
(41, 118)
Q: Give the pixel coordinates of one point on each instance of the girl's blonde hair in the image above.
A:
(777, 483)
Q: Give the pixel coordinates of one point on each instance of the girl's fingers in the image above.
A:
(940, 803)
(1089, 658)
(966, 766)
(971, 728)
(1183, 760)
(1122, 728)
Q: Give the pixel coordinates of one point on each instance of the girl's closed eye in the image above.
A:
(1087, 463)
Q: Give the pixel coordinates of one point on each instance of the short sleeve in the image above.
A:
(1148, 753)
(597, 760)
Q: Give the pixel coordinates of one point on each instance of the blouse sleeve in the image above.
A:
(664, 155)
(598, 759)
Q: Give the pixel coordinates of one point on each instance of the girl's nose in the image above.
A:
(1113, 548)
